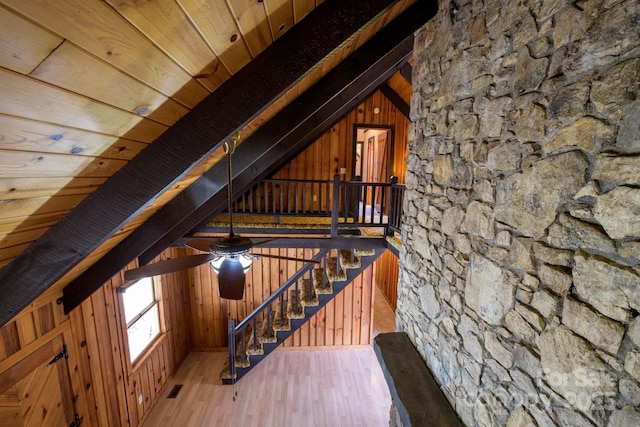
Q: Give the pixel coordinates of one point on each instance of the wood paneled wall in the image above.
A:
(386, 277)
(104, 385)
(346, 320)
(334, 150)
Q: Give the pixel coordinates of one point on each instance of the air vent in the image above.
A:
(174, 391)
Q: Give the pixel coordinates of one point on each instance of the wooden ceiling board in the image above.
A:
(21, 237)
(25, 164)
(29, 98)
(280, 16)
(26, 188)
(19, 224)
(165, 24)
(252, 21)
(98, 80)
(19, 134)
(400, 85)
(98, 29)
(41, 205)
(22, 54)
(216, 23)
(7, 254)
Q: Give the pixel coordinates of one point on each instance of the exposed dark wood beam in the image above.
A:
(395, 99)
(313, 242)
(289, 132)
(406, 70)
(179, 149)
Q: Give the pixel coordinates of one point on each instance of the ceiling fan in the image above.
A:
(229, 255)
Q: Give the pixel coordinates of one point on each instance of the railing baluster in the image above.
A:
(231, 338)
(324, 275)
(326, 198)
(243, 350)
(281, 299)
(269, 332)
(335, 210)
(373, 205)
(255, 333)
(304, 197)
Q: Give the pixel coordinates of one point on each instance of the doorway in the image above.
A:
(372, 163)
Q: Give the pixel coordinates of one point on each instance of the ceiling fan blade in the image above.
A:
(231, 278)
(199, 244)
(262, 242)
(167, 266)
(287, 258)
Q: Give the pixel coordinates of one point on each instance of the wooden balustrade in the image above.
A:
(350, 204)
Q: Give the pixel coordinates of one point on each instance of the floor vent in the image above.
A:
(174, 391)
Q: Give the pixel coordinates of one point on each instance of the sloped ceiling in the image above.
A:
(109, 110)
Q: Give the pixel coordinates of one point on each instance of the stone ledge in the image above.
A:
(414, 390)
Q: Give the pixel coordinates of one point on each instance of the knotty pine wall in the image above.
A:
(334, 150)
(104, 383)
(346, 320)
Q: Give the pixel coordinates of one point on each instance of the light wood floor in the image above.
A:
(301, 388)
(289, 388)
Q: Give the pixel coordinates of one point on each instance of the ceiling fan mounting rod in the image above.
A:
(229, 148)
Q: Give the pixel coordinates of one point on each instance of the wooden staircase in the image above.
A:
(302, 296)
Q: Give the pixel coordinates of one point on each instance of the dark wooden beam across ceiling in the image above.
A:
(395, 99)
(288, 133)
(313, 242)
(179, 149)
(406, 71)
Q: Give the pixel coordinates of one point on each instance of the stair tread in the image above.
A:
(297, 299)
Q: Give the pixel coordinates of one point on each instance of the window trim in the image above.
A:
(133, 362)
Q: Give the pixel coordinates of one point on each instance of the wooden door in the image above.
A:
(41, 394)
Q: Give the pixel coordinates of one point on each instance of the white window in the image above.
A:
(141, 315)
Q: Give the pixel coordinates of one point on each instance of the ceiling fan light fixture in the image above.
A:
(244, 259)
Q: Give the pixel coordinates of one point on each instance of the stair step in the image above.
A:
(349, 259)
(280, 324)
(266, 332)
(294, 311)
(332, 271)
(318, 279)
(364, 252)
(308, 294)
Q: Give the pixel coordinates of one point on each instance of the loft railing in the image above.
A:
(350, 204)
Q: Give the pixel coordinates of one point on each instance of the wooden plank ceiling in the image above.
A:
(87, 85)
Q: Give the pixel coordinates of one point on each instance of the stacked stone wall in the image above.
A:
(520, 269)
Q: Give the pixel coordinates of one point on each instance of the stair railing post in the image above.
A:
(335, 205)
(232, 350)
(393, 206)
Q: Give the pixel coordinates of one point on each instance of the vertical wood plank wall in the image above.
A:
(345, 320)
(386, 277)
(334, 150)
(103, 382)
